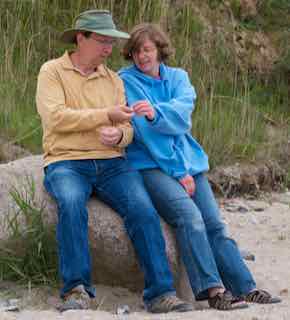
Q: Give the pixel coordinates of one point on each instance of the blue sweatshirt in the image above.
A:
(165, 142)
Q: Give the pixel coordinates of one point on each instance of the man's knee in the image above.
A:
(65, 188)
(142, 219)
(71, 197)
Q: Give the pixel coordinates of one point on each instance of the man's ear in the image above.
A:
(79, 37)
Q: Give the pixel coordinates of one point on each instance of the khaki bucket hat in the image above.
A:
(98, 21)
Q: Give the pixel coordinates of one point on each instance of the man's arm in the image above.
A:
(121, 134)
(126, 127)
(51, 106)
(59, 117)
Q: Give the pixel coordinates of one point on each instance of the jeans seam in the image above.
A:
(109, 197)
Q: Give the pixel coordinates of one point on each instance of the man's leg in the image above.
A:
(233, 270)
(122, 188)
(179, 211)
(71, 189)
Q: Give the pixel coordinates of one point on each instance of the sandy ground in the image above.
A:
(259, 226)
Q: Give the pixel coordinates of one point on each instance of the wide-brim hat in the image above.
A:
(97, 21)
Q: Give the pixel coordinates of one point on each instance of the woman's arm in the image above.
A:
(173, 117)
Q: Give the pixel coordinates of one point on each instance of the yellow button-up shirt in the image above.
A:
(74, 107)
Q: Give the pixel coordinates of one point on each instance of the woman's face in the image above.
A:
(146, 58)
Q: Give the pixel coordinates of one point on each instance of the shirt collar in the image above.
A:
(67, 64)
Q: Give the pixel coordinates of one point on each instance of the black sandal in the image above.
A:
(261, 296)
(225, 301)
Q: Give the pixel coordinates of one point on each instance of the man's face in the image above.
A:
(96, 47)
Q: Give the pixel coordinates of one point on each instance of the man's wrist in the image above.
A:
(121, 137)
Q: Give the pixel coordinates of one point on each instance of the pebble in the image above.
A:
(282, 198)
(9, 305)
(252, 219)
(236, 207)
(124, 309)
(282, 236)
(247, 255)
(284, 292)
(258, 205)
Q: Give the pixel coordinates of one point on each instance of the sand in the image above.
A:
(259, 226)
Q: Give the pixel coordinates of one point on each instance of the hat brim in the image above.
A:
(68, 36)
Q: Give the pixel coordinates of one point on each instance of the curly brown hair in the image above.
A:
(150, 31)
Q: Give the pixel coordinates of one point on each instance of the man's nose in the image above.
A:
(107, 50)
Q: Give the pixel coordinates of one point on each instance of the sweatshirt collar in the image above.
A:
(162, 72)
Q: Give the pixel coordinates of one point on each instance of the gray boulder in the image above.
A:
(113, 257)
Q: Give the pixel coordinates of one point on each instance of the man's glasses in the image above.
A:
(105, 42)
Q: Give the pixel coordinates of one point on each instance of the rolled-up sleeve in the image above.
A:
(126, 127)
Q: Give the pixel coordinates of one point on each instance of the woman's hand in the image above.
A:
(188, 184)
(144, 108)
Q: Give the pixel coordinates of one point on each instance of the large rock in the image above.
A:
(244, 178)
(113, 257)
(9, 151)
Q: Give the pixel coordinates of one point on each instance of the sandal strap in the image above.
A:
(261, 296)
(221, 301)
(226, 301)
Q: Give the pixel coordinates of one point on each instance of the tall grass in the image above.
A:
(227, 115)
(29, 255)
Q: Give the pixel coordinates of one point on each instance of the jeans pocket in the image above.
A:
(48, 169)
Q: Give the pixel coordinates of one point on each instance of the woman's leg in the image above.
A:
(178, 210)
(233, 270)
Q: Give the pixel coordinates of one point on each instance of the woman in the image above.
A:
(173, 164)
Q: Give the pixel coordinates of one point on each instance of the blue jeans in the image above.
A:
(71, 183)
(210, 257)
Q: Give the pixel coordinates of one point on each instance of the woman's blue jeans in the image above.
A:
(71, 183)
(210, 257)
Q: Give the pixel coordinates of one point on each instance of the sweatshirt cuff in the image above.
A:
(156, 118)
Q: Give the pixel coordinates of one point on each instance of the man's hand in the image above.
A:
(188, 184)
(110, 136)
(120, 114)
(144, 108)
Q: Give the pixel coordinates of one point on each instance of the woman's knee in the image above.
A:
(216, 229)
(189, 220)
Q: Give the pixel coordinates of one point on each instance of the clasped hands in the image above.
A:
(111, 136)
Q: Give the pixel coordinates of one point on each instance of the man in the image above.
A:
(86, 126)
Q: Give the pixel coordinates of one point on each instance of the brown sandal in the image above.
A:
(225, 301)
(261, 296)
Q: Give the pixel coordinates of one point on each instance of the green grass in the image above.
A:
(29, 254)
(230, 106)
(272, 15)
(235, 128)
